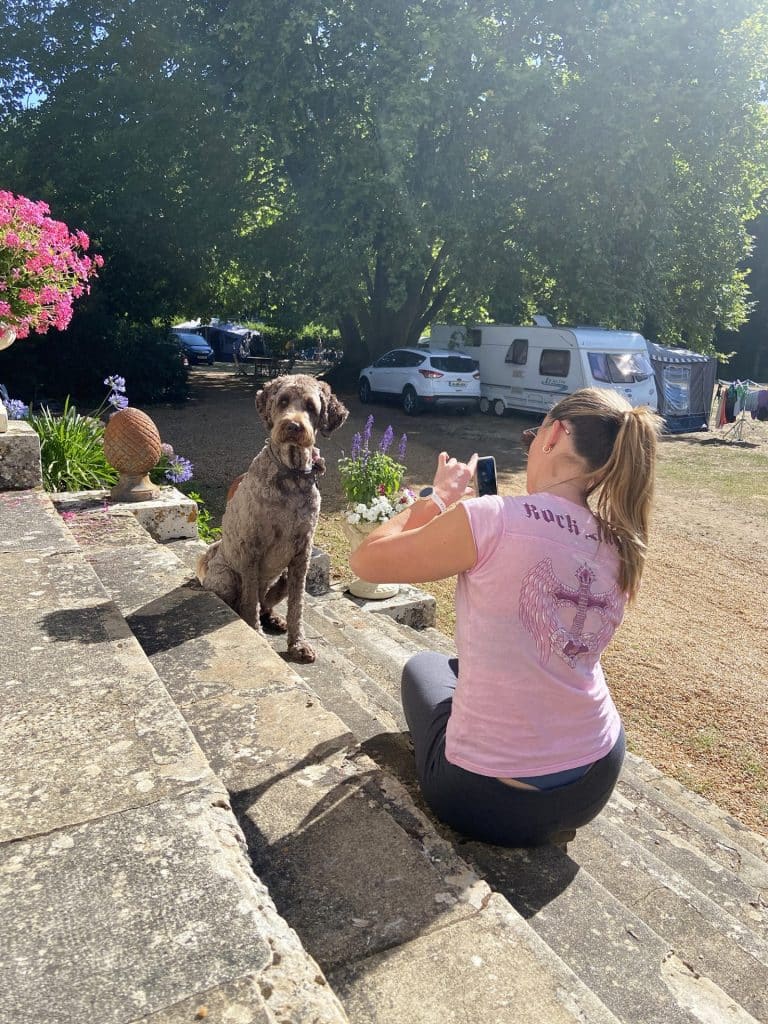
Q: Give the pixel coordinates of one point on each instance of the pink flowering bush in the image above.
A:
(43, 267)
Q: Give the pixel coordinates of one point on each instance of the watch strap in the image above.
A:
(430, 492)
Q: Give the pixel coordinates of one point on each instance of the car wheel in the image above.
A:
(411, 403)
(364, 391)
(498, 407)
(210, 360)
(485, 406)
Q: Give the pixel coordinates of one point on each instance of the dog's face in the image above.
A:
(297, 407)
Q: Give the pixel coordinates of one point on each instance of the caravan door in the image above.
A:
(555, 369)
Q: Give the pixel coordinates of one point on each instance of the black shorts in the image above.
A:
(481, 806)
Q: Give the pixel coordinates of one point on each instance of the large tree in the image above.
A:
(120, 116)
(380, 164)
(595, 160)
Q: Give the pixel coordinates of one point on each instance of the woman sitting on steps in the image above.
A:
(518, 742)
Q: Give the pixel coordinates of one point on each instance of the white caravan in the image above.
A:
(531, 368)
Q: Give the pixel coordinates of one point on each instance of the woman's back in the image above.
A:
(533, 617)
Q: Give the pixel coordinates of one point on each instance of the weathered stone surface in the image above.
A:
(410, 607)
(700, 822)
(309, 813)
(98, 525)
(28, 522)
(319, 572)
(170, 516)
(489, 968)
(86, 727)
(702, 934)
(741, 889)
(201, 648)
(127, 917)
(20, 466)
(615, 953)
(136, 576)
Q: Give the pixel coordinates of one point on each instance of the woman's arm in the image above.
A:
(420, 544)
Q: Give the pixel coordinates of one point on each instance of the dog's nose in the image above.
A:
(293, 426)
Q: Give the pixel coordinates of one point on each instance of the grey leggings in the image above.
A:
(480, 806)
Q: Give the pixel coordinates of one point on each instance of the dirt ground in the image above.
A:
(688, 666)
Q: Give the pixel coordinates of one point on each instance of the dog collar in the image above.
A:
(298, 474)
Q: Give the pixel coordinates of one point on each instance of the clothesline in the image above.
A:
(737, 398)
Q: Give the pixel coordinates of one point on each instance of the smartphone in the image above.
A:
(486, 476)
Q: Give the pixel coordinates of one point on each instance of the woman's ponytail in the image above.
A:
(618, 443)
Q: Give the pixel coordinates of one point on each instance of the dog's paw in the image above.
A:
(302, 651)
(272, 623)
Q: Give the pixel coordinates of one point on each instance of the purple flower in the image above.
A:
(116, 384)
(167, 450)
(118, 401)
(17, 410)
(402, 447)
(386, 440)
(367, 432)
(357, 445)
(179, 470)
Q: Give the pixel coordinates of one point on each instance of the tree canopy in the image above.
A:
(376, 166)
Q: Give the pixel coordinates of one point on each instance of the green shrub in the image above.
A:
(205, 531)
(72, 450)
(45, 369)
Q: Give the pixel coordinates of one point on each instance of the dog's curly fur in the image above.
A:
(270, 519)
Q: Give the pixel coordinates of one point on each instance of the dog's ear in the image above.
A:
(333, 413)
(264, 403)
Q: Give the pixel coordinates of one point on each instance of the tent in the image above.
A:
(225, 337)
(685, 382)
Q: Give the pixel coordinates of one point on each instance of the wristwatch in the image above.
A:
(430, 492)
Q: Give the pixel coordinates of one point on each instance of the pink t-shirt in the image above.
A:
(533, 617)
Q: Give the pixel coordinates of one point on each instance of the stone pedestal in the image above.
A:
(20, 466)
(169, 516)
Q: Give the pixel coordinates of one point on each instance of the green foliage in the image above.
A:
(364, 478)
(368, 473)
(205, 531)
(596, 162)
(96, 345)
(369, 166)
(72, 450)
(134, 136)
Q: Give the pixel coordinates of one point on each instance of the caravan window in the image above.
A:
(626, 368)
(517, 352)
(473, 337)
(555, 362)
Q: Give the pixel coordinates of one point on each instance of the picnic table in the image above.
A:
(267, 366)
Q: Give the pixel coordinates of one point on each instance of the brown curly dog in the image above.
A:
(270, 519)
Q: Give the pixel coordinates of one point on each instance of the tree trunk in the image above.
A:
(382, 327)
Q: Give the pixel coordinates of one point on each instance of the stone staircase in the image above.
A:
(193, 828)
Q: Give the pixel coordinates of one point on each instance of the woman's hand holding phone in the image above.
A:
(453, 479)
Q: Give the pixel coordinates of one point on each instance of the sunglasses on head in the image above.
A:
(527, 436)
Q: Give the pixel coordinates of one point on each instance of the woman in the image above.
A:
(519, 742)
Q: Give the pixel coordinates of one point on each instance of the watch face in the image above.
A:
(425, 492)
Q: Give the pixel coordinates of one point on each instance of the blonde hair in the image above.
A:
(618, 444)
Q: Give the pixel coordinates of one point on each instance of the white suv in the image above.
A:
(423, 377)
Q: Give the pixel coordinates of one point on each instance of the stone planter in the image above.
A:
(356, 534)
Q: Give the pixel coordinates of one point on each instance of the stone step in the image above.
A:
(711, 914)
(697, 820)
(355, 649)
(349, 860)
(693, 836)
(125, 888)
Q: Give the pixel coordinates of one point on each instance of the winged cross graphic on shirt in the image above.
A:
(542, 595)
